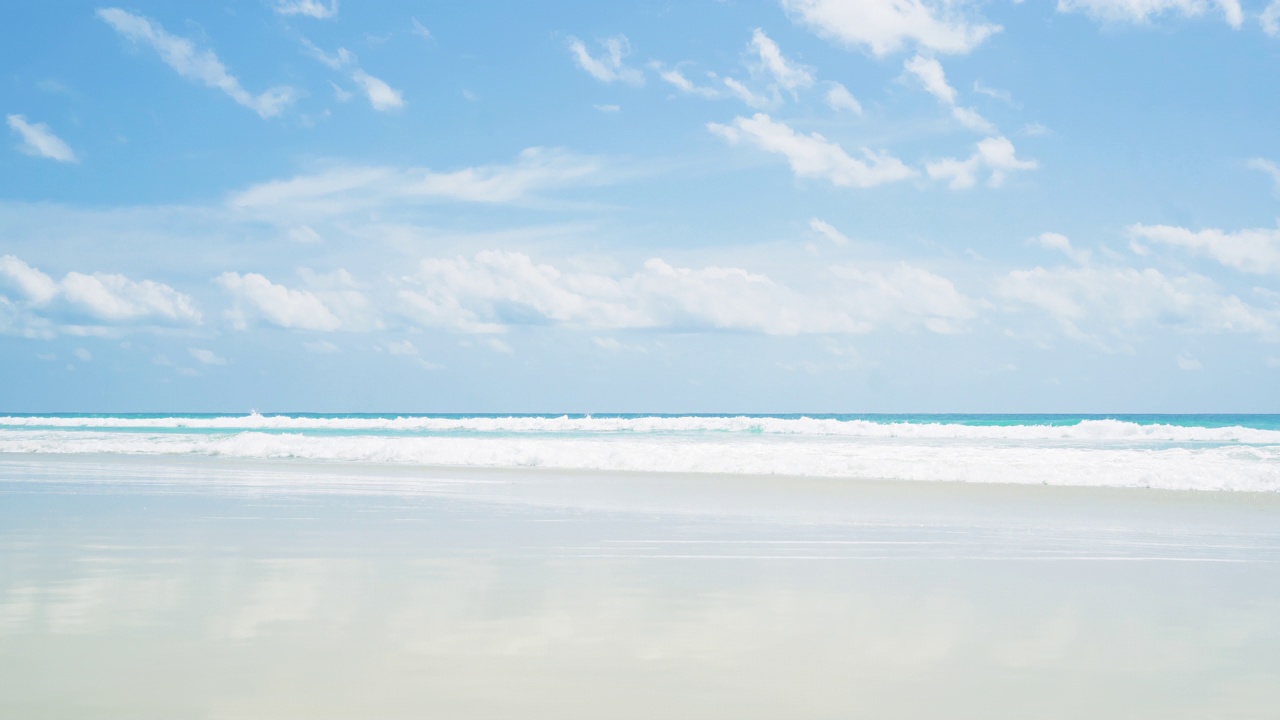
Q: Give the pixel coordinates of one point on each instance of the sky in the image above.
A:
(640, 206)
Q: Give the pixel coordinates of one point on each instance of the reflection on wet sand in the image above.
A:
(145, 600)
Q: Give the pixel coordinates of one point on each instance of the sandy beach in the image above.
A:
(162, 587)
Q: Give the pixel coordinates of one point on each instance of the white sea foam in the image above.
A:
(1103, 430)
(1224, 467)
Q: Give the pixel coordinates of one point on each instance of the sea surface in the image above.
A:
(1179, 452)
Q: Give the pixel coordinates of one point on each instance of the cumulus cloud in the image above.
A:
(278, 305)
(1254, 250)
(1143, 11)
(996, 155)
(785, 73)
(346, 189)
(496, 289)
(1104, 304)
(1270, 18)
(309, 8)
(197, 65)
(887, 26)
(97, 297)
(840, 99)
(609, 66)
(813, 155)
(39, 141)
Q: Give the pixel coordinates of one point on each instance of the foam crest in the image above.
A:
(1239, 467)
(1089, 430)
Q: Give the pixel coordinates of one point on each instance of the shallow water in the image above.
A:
(150, 587)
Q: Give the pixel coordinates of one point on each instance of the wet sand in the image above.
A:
(176, 587)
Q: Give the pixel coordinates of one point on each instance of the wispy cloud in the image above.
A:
(840, 99)
(608, 67)
(194, 64)
(381, 96)
(828, 231)
(420, 30)
(931, 75)
(1144, 11)
(813, 155)
(39, 141)
(785, 73)
(996, 155)
(310, 8)
(1268, 167)
(346, 189)
(887, 26)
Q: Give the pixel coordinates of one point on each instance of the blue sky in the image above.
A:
(804, 205)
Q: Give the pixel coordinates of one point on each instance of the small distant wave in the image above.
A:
(1223, 467)
(1088, 430)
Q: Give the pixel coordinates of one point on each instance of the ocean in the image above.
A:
(1178, 452)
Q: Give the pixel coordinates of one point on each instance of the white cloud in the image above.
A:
(786, 73)
(607, 108)
(277, 304)
(1101, 303)
(1254, 250)
(1061, 243)
(103, 297)
(608, 67)
(841, 100)
(1186, 362)
(1270, 19)
(1266, 166)
(347, 189)
(828, 231)
(402, 347)
(1143, 11)
(813, 155)
(419, 29)
(674, 77)
(82, 354)
(995, 154)
(745, 94)
(970, 118)
(1036, 130)
(304, 234)
(321, 347)
(1003, 96)
(930, 74)
(198, 65)
(39, 141)
(208, 357)
(497, 289)
(310, 8)
(536, 168)
(886, 26)
(381, 95)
